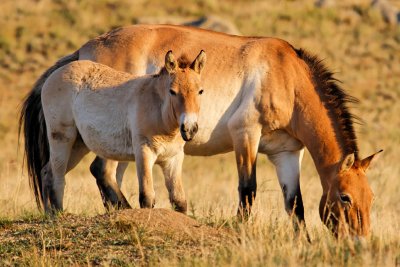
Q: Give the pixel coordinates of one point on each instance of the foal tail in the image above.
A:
(33, 127)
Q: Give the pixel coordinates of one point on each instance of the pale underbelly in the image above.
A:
(107, 141)
(275, 142)
(114, 150)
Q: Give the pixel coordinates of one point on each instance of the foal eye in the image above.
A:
(345, 199)
(172, 92)
(201, 92)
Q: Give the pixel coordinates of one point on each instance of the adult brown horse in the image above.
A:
(262, 95)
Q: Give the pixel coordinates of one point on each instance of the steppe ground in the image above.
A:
(352, 39)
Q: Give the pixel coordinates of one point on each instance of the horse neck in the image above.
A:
(320, 133)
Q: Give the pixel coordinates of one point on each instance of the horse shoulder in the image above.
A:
(279, 85)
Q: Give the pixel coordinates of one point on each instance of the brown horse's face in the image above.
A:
(185, 92)
(346, 207)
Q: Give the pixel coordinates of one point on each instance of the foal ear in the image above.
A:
(170, 62)
(347, 163)
(365, 163)
(198, 63)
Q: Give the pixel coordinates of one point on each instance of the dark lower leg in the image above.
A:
(295, 208)
(247, 192)
(111, 195)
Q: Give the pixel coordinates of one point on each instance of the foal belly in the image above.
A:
(113, 144)
(105, 134)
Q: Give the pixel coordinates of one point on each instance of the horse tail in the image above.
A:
(33, 127)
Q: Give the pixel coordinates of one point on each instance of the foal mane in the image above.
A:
(335, 99)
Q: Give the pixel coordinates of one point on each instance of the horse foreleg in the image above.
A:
(172, 169)
(246, 147)
(287, 166)
(145, 160)
(106, 172)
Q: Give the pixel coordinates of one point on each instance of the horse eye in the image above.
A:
(172, 92)
(345, 199)
(201, 92)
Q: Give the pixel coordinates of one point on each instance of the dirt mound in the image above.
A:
(128, 237)
(168, 223)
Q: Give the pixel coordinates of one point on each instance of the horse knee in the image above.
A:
(146, 200)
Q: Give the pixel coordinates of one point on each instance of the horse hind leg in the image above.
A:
(47, 181)
(106, 173)
(61, 142)
(287, 166)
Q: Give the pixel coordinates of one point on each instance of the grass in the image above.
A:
(354, 42)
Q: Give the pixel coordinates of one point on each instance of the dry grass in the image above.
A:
(354, 41)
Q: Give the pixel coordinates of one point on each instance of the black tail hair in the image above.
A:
(33, 126)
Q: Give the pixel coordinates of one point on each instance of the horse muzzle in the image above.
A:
(188, 132)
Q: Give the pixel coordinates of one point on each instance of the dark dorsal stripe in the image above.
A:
(335, 100)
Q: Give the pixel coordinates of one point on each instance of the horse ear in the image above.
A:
(170, 62)
(198, 63)
(347, 163)
(365, 163)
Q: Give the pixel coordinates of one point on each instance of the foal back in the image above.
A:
(87, 101)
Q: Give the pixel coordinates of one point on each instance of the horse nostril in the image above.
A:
(195, 128)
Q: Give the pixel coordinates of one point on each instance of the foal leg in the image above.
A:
(287, 166)
(120, 172)
(61, 144)
(47, 181)
(145, 160)
(105, 172)
(172, 169)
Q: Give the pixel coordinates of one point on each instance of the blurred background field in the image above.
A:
(351, 37)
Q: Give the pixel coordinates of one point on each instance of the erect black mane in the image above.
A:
(335, 100)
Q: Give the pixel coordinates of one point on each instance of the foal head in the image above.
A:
(184, 92)
(346, 207)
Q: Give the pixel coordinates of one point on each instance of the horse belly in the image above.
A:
(278, 141)
(113, 144)
(104, 132)
(210, 142)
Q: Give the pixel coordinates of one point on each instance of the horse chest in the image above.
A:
(165, 149)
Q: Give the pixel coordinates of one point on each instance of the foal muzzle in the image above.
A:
(188, 132)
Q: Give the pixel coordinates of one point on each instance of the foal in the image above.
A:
(90, 107)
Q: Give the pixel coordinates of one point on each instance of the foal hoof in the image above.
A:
(180, 206)
(146, 202)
